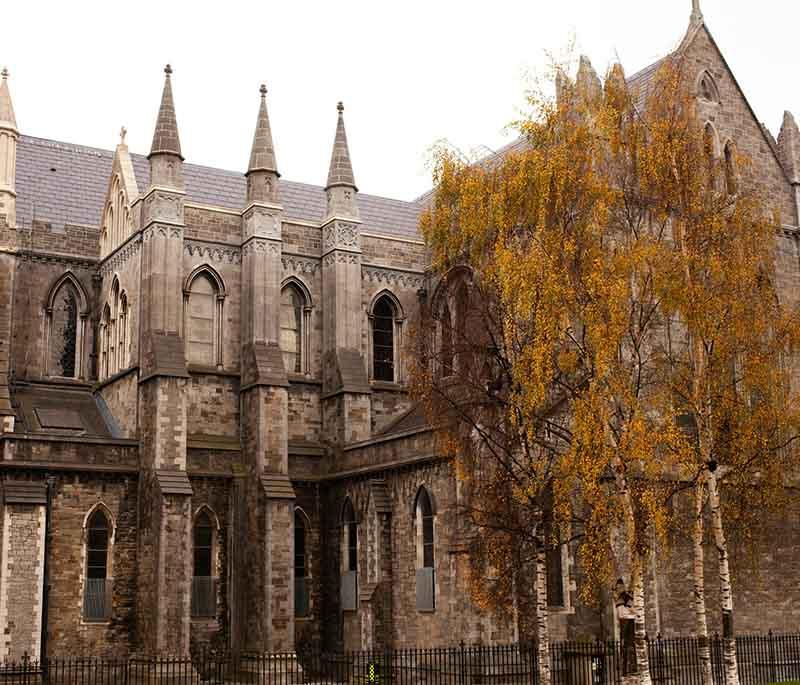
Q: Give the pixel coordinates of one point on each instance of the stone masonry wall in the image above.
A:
(212, 405)
(21, 581)
(122, 397)
(74, 498)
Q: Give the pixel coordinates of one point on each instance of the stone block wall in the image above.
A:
(74, 498)
(212, 405)
(305, 413)
(121, 395)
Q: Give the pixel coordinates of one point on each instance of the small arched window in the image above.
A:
(203, 581)
(731, 183)
(446, 352)
(203, 297)
(424, 525)
(105, 337)
(464, 355)
(301, 588)
(383, 339)
(707, 88)
(292, 304)
(122, 333)
(97, 595)
(349, 587)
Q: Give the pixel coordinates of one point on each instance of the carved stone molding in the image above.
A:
(213, 253)
(162, 206)
(293, 264)
(162, 231)
(341, 258)
(47, 258)
(119, 258)
(402, 279)
(260, 246)
(262, 222)
(340, 235)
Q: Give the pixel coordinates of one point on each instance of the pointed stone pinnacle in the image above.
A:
(165, 137)
(697, 14)
(340, 172)
(7, 118)
(262, 154)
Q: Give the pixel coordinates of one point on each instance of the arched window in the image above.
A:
(64, 326)
(204, 595)
(464, 354)
(203, 298)
(113, 329)
(384, 316)
(707, 88)
(349, 558)
(301, 588)
(97, 588)
(730, 169)
(424, 519)
(105, 337)
(292, 328)
(446, 324)
(122, 333)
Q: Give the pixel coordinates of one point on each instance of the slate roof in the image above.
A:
(62, 183)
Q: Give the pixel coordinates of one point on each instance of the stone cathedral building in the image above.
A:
(206, 433)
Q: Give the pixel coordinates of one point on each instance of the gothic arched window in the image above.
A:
(384, 317)
(301, 588)
(292, 328)
(105, 337)
(96, 594)
(64, 332)
(203, 581)
(423, 524)
(349, 594)
(122, 333)
(446, 352)
(707, 88)
(731, 183)
(202, 303)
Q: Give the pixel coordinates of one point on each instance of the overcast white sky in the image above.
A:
(409, 72)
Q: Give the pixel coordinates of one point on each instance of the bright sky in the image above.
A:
(410, 73)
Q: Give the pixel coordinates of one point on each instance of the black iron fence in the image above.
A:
(763, 659)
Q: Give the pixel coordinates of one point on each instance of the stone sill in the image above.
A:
(195, 370)
(388, 387)
(301, 379)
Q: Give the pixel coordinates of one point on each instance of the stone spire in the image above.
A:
(341, 186)
(587, 82)
(7, 118)
(166, 160)
(789, 147)
(262, 171)
(8, 154)
(697, 15)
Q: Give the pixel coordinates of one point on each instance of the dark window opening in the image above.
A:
(203, 582)
(383, 340)
(426, 514)
(96, 600)
(301, 590)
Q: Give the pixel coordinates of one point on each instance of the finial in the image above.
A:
(263, 90)
(340, 107)
(697, 15)
(168, 70)
(4, 73)
(122, 133)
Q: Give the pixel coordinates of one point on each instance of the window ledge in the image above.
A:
(426, 611)
(96, 622)
(300, 378)
(388, 385)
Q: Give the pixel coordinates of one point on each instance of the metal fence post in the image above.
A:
(772, 664)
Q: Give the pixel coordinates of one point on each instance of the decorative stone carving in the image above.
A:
(122, 255)
(260, 245)
(341, 258)
(392, 277)
(163, 206)
(213, 252)
(294, 264)
(341, 236)
(262, 222)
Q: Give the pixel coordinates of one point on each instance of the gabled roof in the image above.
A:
(60, 183)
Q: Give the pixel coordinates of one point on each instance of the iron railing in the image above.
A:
(763, 659)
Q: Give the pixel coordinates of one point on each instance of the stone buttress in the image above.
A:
(165, 545)
(265, 599)
(345, 385)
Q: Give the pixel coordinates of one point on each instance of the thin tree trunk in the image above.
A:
(640, 634)
(700, 584)
(542, 627)
(725, 589)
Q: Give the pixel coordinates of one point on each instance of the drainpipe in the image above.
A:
(46, 584)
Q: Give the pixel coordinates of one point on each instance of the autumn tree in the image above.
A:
(730, 340)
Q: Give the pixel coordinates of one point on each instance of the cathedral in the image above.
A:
(206, 433)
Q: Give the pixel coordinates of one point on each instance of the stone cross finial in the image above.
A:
(168, 70)
(697, 15)
(263, 90)
(4, 73)
(122, 133)
(340, 107)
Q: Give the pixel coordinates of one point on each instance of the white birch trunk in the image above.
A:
(542, 627)
(725, 589)
(701, 625)
(640, 635)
